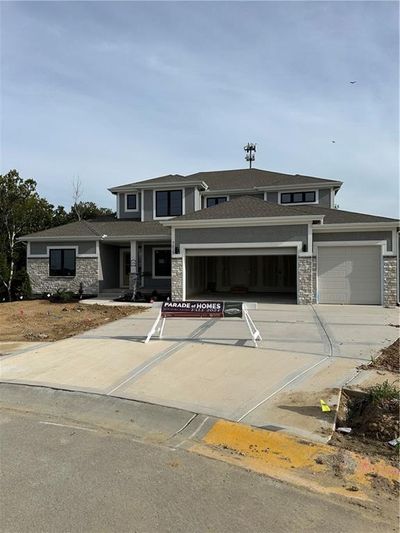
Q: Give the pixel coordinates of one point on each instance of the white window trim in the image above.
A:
(316, 191)
(197, 199)
(153, 262)
(118, 205)
(215, 196)
(126, 202)
(142, 205)
(61, 248)
(155, 191)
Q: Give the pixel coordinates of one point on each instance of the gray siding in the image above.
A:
(148, 205)
(238, 195)
(356, 236)
(149, 282)
(231, 197)
(122, 213)
(109, 267)
(189, 200)
(84, 247)
(325, 197)
(242, 234)
(272, 197)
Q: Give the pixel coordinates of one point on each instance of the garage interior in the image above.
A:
(265, 277)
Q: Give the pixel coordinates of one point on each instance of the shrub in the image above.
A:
(383, 392)
(62, 295)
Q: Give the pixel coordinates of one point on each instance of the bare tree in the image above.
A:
(77, 191)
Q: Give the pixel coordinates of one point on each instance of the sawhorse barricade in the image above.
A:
(203, 309)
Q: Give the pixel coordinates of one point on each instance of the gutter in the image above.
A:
(248, 221)
(135, 187)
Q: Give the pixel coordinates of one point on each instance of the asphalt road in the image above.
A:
(60, 474)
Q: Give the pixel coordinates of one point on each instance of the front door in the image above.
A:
(125, 266)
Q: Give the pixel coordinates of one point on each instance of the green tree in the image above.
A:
(88, 210)
(22, 211)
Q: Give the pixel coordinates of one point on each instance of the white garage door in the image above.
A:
(349, 275)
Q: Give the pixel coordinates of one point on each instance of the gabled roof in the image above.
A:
(236, 179)
(98, 228)
(248, 178)
(251, 207)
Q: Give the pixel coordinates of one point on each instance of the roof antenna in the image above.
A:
(250, 150)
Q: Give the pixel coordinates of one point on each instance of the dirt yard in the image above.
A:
(389, 358)
(40, 320)
(373, 411)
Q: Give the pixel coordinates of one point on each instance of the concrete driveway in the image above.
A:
(210, 367)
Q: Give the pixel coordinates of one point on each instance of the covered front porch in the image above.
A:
(121, 261)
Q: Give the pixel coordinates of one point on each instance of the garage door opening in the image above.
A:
(258, 277)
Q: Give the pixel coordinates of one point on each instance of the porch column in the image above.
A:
(133, 263)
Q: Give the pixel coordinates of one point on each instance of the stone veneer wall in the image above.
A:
(390, 267)
(306, 279)
(87, 272)
(177, 278)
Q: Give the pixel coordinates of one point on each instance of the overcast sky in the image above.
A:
(122, 91)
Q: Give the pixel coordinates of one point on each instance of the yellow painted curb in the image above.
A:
(282, 456)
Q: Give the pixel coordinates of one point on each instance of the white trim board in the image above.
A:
(239, 222)
(355, 226)
(383, 244)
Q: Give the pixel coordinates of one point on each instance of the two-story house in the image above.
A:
(249, 233)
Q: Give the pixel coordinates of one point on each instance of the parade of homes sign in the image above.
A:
(203, 309)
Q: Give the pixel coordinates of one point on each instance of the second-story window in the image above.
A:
(215, 200)
(168, 203)
(131, 202)
(298, 197)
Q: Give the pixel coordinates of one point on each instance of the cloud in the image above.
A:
(119, 90)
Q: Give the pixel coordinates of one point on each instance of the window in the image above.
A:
(62, 262)
(168, 203)
(298, 197)
(161, 263)
(131, 202)
(216, 200)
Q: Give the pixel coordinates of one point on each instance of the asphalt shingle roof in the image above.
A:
(161, 180)
(248, 178)
(98, 227)
(243, 207)
(248, 207)
(244, 178)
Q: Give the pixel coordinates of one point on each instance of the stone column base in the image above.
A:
(177, 278)
(306, 279)
(390, 267)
